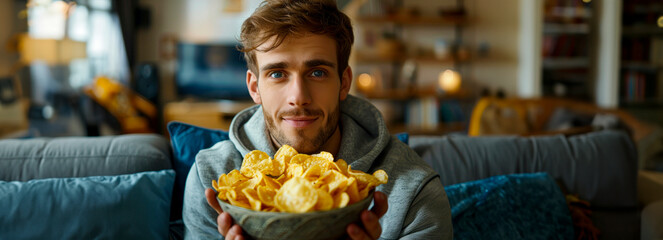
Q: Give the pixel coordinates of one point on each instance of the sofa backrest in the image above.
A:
(26, 159)
(600, 167)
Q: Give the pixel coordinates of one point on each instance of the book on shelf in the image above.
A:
(564, 46)
(422, 114)
(635, 86)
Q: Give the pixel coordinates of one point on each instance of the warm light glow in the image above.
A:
(449, 81)
(660, 21)
(365, 82)
(586, 1)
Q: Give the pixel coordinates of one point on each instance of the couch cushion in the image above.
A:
(131, 206)
(26, 159)
(187, 140)
(516, 206)
(599, 166)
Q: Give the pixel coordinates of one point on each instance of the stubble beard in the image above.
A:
(300, 141)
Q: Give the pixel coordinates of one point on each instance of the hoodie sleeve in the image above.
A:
(429, 216)
(199, 218)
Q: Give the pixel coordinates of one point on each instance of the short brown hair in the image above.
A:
(283, 18)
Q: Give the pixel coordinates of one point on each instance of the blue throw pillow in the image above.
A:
(404, 137)
(131, 206)
(187, 140)
(518, 206)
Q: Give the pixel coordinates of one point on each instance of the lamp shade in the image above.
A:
(50, 51)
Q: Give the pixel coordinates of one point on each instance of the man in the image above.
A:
(297, 52)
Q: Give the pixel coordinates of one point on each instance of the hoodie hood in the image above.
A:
(364, 134)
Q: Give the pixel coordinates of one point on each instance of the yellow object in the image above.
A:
(294, 182)
(134, 112)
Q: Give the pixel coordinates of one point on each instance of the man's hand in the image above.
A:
(224, 222)
(372, 228)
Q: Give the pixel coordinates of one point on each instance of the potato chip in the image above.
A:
(336, 181)
(363, 179)
(307, 161)
(381, 176)
(294, 182)
(251, 162)
(270, 182)
(341, 200)
(312, 173)
(342, 166)
(325, 200)
(221, 192)
(352, 190)
(253, 199)
(294, 170)
(234, 177)
(325, 155)
(283, 155)
(239, 203)
(266, 195)
(259, 161)
(297, 195)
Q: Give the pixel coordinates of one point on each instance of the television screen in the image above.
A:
(211, 71)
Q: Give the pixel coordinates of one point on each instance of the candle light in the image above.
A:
(365, 82)
(449, 81)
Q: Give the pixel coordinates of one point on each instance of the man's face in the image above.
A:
(300, 90)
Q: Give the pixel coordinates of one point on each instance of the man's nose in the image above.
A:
(298, 92)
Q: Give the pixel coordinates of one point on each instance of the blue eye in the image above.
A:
(318, 73)
(276, 75)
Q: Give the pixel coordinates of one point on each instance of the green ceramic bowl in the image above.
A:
(329, 224)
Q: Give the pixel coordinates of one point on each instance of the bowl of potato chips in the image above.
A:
(295, 196)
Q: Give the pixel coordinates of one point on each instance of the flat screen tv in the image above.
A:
(211, 71)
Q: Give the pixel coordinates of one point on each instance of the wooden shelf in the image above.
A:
(647, 103)
(565, 62)
(405, 94)
(638, 30)
(400, 94)
(640, 65)
(366, 58)
(440, 129)
(566, 28)
(422, 20)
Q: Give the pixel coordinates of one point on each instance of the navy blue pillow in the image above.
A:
(516, 206)
(187, 140)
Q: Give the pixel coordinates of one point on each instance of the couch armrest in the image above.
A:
(651, 226)
(650, 187)
(650, 194)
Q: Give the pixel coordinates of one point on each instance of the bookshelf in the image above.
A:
(388, 49)
(641, 66)
(641, 63)
(568, 49)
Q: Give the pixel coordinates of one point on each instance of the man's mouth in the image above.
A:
(299, 121)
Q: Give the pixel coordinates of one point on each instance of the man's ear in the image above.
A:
(346, 81)
(252, 85)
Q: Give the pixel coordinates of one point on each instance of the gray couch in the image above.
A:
(600, 167)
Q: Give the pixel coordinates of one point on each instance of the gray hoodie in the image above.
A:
(418, 204)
